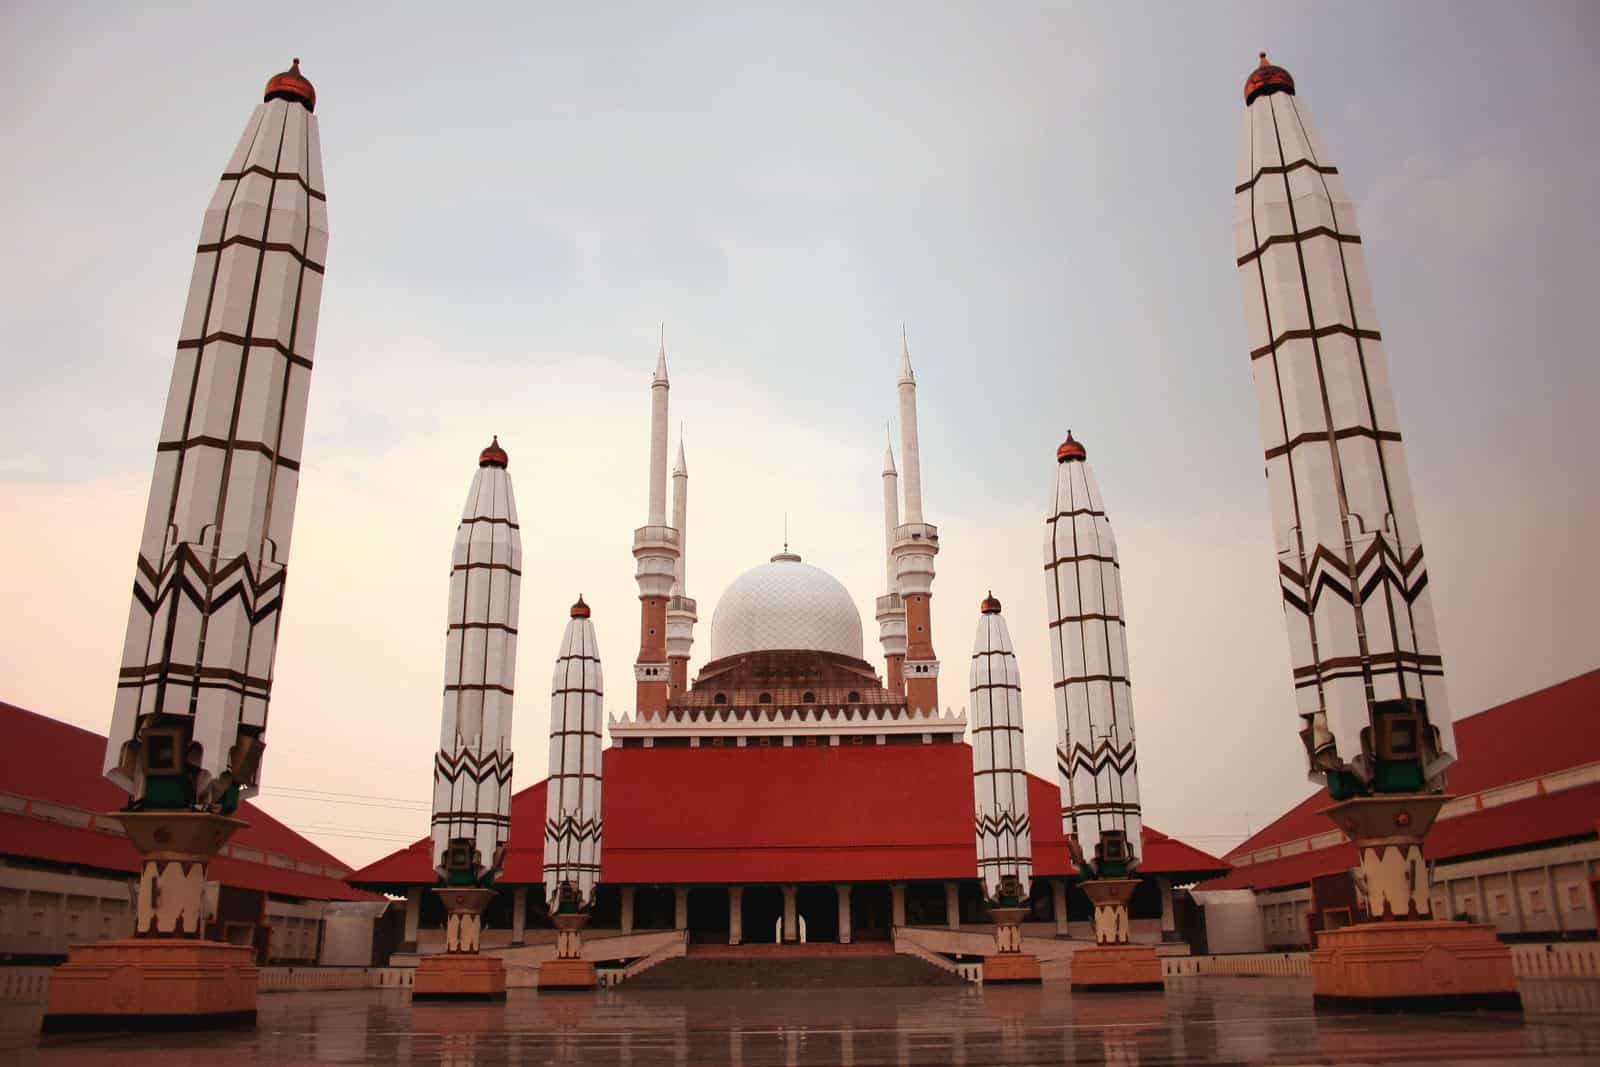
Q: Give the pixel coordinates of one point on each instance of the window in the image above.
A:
(809, 698)
(1500, 905)
(720, 698)
(1574, 898)
(1536, 899)
(855, 697)
(766, 698)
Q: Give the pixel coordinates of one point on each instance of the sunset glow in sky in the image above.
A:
(1041, 193)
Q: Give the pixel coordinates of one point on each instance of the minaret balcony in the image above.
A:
(918, 537)
(890, 604)
(655, 541)
(683, 606)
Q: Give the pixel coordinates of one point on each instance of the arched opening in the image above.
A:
(766, 698)
(855, 697)
(720, 698)
(809, 698)
(871, 913)
(819, 906)
(708, 915)
(761, 908)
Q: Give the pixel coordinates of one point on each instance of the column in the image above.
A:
(1058, 904)
(1169, 922)
(897, 894)
(843, 892)
(627, 908)
(519, 914)
(413, 915)
(952, 905)
(680, 907)
(1555, 905)
(735, 914)
(791, 930)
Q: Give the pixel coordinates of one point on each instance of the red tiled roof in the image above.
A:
(1539, 734)
(71, 777)
(802, 814)
(1547, 817)
(1545, 731)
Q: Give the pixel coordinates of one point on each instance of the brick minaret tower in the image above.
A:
(681, 613)
(891, 612)
(915, 545)
(656, 548)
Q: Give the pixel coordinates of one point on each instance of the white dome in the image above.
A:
(785, 604)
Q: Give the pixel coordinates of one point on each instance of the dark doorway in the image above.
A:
(654, 908)
(871, 913)
(761, 909)
(819, 906)
(925, 904)
(708, 915)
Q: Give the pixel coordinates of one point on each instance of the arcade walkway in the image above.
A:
(1196, 1020)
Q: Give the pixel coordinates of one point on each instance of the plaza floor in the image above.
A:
(1228, 1020)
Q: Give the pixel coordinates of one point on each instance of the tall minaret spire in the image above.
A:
(915, 545)
(1368, 676)
(655, 550)
(189, 717)
(681, 613)
(659, 388)
(891, 613)
(910, 453)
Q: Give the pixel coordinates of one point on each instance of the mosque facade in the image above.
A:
(811, 793)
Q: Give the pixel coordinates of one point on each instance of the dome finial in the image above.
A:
(292, 85)
(494, 455)
(1070, 449)
(1267, 79)
(580, 610)
(990, 605)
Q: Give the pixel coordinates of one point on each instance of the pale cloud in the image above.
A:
(1043, 193)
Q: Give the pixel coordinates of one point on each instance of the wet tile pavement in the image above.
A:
(1229, 1020)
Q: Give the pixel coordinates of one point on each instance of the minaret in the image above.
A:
(1089, 649)
(1000, 794)
(1368, 676)
(656, 550)
(681, 614)
(189, 719)
(1095, 756)
(891, 613)
(472, 771)
(572, 799)
(1362, 640)
(915, 545)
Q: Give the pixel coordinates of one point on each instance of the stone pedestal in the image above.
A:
(153, 984)
(460, 972)
(164, 977)
(567, 970)
(1009, 964)
(460, 976)
(1429, 965)
(1113, 964)
(1404, 959)
(1115, 968)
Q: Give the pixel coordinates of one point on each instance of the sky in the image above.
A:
(521, 196)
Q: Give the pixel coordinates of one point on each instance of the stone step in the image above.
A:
(862, 970)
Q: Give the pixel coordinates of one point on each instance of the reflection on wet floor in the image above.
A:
(1238, 1020)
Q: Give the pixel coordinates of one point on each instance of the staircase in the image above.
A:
(860, 966)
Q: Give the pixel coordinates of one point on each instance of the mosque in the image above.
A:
(789, 791)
